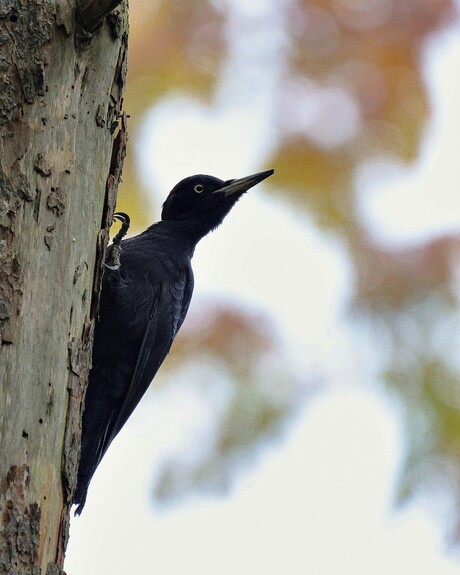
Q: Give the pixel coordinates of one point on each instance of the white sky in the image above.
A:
(318, 502)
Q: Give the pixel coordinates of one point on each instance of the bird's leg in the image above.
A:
(113, 259)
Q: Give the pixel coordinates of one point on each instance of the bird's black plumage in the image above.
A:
(143, 304)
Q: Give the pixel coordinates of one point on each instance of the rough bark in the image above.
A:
(62, 144)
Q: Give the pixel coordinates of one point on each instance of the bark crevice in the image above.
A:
(90, 13)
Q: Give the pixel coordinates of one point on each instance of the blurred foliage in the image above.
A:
(351, 89)
(363, 59)
(259, 393)
(173, 46)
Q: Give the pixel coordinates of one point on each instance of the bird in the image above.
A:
(146, 291)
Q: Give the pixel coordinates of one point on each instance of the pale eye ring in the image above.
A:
(198, 189)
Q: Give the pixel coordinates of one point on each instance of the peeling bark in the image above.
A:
(20, 536)
(62, 145)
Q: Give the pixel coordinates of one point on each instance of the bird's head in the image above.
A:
(203, 201)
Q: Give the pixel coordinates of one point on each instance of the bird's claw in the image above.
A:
(125, 222)
(113, 259)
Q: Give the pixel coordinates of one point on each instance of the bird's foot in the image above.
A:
(113, 258)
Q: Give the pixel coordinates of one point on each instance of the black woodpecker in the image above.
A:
(146, 291)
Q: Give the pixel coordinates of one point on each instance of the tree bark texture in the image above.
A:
(62, 144)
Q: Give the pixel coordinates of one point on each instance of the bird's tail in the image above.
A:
(81, 492)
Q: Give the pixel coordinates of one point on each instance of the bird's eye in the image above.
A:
(198, 189)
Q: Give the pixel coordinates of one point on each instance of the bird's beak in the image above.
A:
(243, 184)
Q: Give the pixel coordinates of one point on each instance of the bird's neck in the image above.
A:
(183, 235)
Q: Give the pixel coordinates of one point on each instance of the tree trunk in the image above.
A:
(62, 143)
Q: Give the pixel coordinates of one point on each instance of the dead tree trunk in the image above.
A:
(62, 142)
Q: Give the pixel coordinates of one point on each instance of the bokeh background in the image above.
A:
(308, 418)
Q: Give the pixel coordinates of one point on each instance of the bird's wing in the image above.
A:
(113, 393)
(166, 316)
